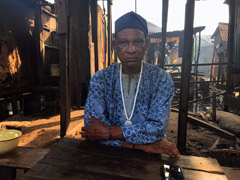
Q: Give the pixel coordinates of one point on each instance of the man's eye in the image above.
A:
(138, 43)
(123, 43)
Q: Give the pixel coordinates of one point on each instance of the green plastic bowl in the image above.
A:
(9, 139)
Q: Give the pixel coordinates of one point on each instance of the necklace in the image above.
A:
(128, 119)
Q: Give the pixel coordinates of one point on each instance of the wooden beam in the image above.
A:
(109, 7)
(218, 131)
(186, 68)
(164, 29)
(37, 32)
(196, 100)
(94, 16)
(62, 31)
(230, 46)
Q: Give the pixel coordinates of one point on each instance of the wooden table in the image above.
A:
(74, 159)
(22, 158)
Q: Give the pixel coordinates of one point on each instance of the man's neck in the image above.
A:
(131, 70)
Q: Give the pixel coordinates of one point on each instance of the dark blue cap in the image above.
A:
(131, 20)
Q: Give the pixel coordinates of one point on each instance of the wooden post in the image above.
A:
(164, 29)
(109, 7)
(186, 68)
(230, 47)
(62, 30)
(197, 62)
(37, 31)
(94, 16)
(214, 107)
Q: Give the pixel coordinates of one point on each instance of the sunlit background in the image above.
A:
(207, 12)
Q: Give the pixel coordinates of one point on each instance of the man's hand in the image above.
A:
(95, 132)
(162, 147)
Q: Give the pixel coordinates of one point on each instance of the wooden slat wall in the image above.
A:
(79, 48)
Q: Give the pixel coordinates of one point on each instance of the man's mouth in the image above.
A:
(131, 59)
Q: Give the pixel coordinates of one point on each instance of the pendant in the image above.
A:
(128, 122)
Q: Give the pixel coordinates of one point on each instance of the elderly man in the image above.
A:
(128, 104)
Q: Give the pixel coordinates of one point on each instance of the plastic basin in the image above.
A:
(9, 139)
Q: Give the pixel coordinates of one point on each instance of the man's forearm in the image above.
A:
(159, 147)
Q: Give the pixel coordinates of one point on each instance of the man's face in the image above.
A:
(130, 47)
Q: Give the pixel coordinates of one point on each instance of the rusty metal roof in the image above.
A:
(222, 29)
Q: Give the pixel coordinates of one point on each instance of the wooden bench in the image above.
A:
(22, 158)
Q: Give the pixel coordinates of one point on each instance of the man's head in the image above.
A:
(130, 39)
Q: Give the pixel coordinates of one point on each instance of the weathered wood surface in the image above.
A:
(76, 159)
(22, 158)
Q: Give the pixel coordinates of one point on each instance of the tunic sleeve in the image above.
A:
(153, 127)
(96, 106)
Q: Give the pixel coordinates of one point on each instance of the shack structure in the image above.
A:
(30, 68)
(28, 48)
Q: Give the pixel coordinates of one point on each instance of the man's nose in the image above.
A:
(131, 48)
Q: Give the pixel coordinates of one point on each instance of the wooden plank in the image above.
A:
(186, 68)
(216, 130)
(199, 175)
(39, 62)
(23, 157)
(104, 164)
(94, 22)
(200, 99)
(209, 165)
(79, 49)
(62, 30)
(109, 10)
(45, 172)
(232, 173)
(189, 112)
(61, 11)
(198, 163)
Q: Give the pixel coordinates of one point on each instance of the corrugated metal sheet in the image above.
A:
(223, 27)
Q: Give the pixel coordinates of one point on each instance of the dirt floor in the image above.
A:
(45, 132)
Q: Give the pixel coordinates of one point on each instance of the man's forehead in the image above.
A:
(130, 33)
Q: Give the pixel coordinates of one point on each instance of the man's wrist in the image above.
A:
(110, 132)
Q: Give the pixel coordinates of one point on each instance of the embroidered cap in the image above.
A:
(131, 20)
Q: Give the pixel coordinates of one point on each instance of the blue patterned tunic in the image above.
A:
(151, 114)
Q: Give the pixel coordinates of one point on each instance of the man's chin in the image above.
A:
(131, 63)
